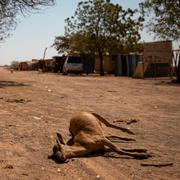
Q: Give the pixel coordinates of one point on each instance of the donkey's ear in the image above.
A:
(59, 145)
(59, 136)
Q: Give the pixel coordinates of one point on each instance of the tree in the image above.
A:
(178, 71)
(176, 60)
(15, 64)
(61, 44)
(101, 27)
(10, 9)
(164, 17)
(165, 21)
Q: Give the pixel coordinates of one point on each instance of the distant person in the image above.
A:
(12, 70)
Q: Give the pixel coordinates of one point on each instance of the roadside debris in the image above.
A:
(25, 174)
(36, 118)
(98, 176)
(17, 100)
(157, 164)
(117, 121)
(130, 121)
(8, 166)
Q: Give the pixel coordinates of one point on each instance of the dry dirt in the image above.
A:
(33, 107)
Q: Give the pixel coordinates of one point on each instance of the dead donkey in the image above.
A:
(88, 137)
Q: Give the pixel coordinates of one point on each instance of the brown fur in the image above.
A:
(88, 137)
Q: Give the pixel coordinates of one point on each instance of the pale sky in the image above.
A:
(37, 31)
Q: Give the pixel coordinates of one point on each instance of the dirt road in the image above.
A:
(33, 107)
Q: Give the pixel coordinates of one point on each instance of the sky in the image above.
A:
(36, 32)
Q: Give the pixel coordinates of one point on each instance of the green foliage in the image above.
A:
(165, 17)
(15, 64)
(99, 26)
(106, 25)
(61, 44)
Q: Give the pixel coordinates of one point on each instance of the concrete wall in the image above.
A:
(158, 52)
(158, 57)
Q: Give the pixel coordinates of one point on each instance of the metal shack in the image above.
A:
(121, 64)
(126, 64)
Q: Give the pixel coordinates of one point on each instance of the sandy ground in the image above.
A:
(33, 107)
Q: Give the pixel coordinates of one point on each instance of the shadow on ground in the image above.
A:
(4, 84)
(167, 83)
(106, 153)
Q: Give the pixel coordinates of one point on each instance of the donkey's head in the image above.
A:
(58, 152)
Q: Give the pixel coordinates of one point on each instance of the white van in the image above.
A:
(73, 64)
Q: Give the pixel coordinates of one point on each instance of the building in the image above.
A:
(157, 60)
(154, 61)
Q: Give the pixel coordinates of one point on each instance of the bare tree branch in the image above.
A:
(9, 9)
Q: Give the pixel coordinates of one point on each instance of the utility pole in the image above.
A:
(44, 54)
